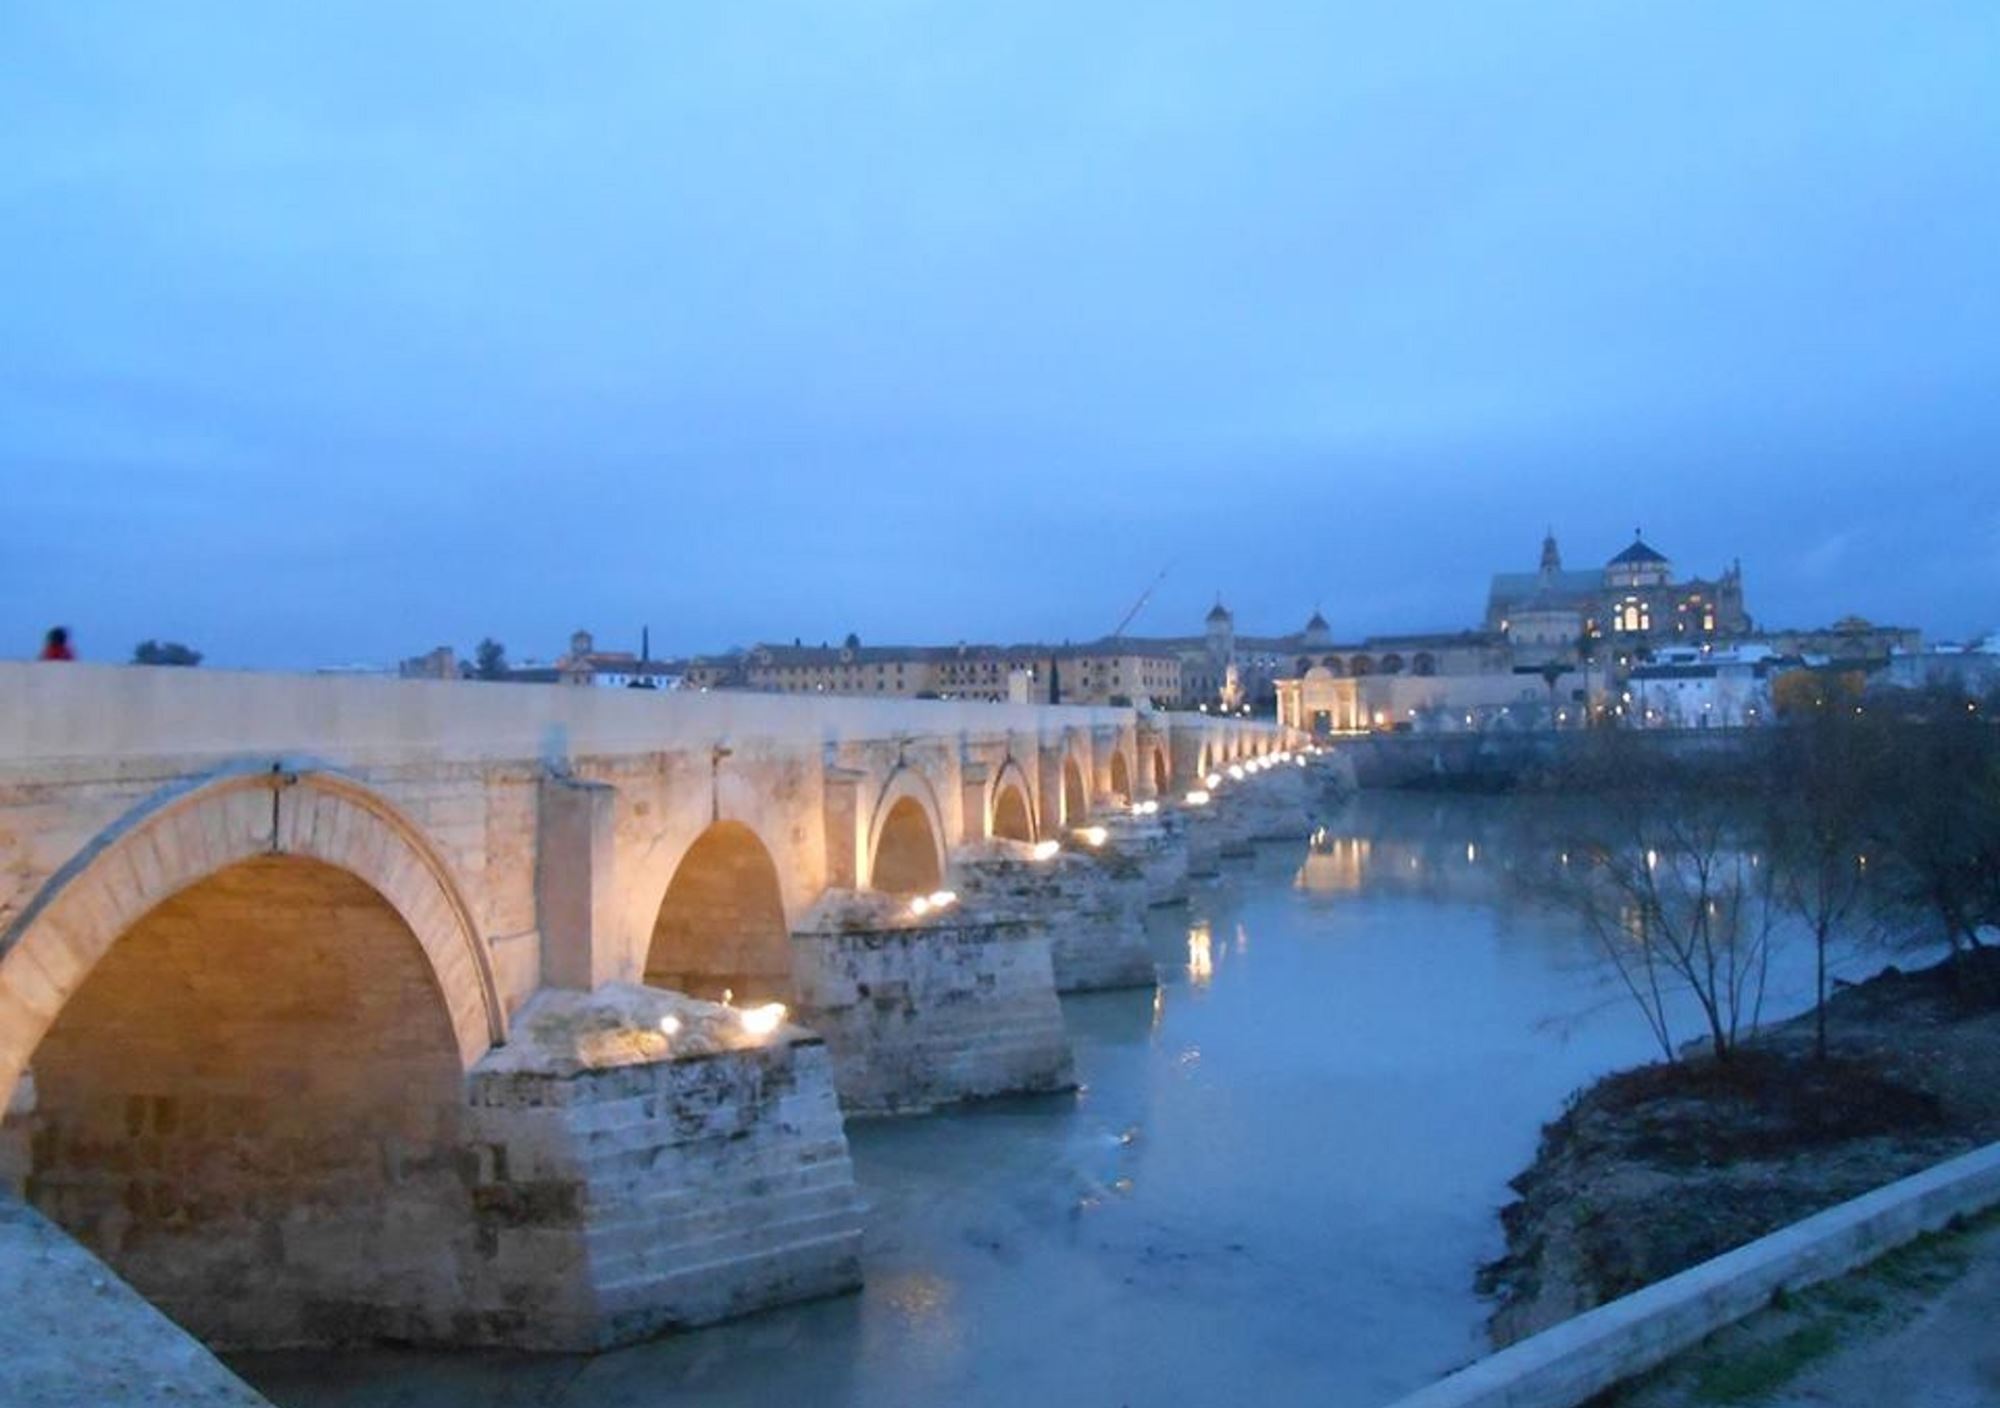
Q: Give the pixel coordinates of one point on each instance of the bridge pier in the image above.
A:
(1092, 918)
(922, 1013)
(627, 1181)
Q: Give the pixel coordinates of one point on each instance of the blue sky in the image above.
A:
(335, 332)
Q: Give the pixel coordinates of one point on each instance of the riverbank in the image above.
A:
(1652, 1170)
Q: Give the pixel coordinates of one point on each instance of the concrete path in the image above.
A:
(1920, 1331)
(74, 1334)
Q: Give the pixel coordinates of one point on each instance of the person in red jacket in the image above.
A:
(55, 645)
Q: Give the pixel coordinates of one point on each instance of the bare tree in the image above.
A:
(1822, 776)
(1936, 821)
(1657, 868)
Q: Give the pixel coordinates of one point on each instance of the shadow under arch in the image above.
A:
(181, 836)
(721, 925)
(1121, 776)
(1075, 796)
(251, 997)
(906, 837)
(1012, 817)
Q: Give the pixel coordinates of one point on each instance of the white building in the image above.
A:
(1974, 668)
(1700, 688)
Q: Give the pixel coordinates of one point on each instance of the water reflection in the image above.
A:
(1200, 954)
(1334, 865)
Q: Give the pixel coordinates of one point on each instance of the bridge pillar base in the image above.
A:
(1090, 906)
(922, 1015)
(627, 1183)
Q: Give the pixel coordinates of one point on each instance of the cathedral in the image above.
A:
(1632, 600)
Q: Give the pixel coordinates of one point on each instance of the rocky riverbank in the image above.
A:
(1653, 1170)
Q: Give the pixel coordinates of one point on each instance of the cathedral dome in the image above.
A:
(1639, 554)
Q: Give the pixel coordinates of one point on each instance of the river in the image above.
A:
(1274, 1186)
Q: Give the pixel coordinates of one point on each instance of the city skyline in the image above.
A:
(332, 342)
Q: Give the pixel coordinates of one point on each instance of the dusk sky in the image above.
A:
(336, 332)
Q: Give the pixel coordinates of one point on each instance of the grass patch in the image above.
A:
(1762, 1370)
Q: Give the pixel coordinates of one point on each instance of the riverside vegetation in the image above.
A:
(1854, 825)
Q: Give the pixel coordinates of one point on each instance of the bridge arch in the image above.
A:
(1010, 815)
(906, 853)
(1121, 776)
(180, 838)
(721, 926)
(1163, 771)
(242, 1000)
(1075, 793)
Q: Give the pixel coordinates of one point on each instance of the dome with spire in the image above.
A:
(1639, 552)
(1218, 613)
(1640, 565)
(1317, 631)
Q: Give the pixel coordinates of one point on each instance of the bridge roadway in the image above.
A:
(337, 1009)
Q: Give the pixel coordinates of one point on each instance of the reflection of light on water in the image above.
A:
(925, 1301)
(1471, 853)
(1334, 865)
(1201, 954)
(1159, 1007)
(1242, 939)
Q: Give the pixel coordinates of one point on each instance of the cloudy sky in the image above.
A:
(334, 332)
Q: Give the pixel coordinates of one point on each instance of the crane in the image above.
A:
(1140, 605)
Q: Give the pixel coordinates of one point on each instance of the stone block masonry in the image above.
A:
(922, 1015)
(1089, 904)
(252, 1109)
(315, 1016)
(629, 1182)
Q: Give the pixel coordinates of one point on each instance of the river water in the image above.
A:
(1273, 1187)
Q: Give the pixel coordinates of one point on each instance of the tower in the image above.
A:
(1552, 558)
(1221, 631)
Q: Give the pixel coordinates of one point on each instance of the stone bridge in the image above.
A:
(337, 1009)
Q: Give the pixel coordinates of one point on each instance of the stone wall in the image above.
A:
(251, 1109)
(235, 1092)
(721, 927)
(1089, 904)
(629, 1183)
(925, 1015)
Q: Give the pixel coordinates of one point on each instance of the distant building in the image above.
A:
(1119, 671)
(1633, 598)
(1702, 688)
(438, 664)
(1848, 641)
(585, 664)
(1971, 669)
(896, 671)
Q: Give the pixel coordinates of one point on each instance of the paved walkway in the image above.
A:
(74, 1334)
(1922, 1330)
